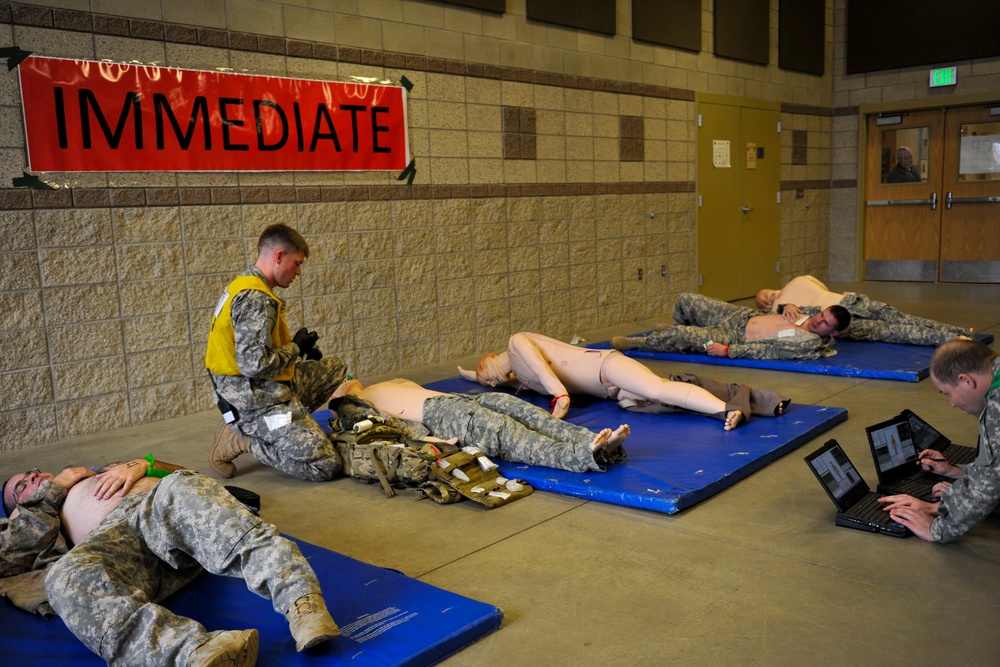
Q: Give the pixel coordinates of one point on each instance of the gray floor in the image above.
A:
(757, 574)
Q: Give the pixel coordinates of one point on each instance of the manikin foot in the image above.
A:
(600, 440)
(780, 410)
(733, 419)
(617, 438)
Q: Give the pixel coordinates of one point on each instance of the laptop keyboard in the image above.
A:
(871, 509)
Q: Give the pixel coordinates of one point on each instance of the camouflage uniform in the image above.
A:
(701, 319)
(506, 427)
(299, 448)
(105, 589)
(971, 498)
(876, 321)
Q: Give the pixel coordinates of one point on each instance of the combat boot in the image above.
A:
(233, 648)
(310, 622)
(229, 443)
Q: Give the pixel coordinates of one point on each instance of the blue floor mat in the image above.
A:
(674, 460)
(386, 618)
(884, 361)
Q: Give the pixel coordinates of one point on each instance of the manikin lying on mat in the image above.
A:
(724, 329)
(498, 424)
(870, 320)
(100, 550)
(552, 367)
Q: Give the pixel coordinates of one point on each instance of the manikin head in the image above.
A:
(962, 370)
(765, 298)
(492, 370)
(281, 251)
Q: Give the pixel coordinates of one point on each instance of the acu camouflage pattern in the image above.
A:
(876, 321)
(701, 319)
(106, 588)
(300, 448)
(30, 543)
(971, 498)
(506, 427)
(387, 453)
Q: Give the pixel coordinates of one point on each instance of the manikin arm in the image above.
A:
(527, 360)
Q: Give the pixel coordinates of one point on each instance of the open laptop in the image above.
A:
(857, 506)
(926, 436)
(895, 456)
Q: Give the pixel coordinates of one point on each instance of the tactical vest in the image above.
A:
(220, 355)
(379, 452)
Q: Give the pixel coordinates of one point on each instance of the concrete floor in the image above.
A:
(758, 574)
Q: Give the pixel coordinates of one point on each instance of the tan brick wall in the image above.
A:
(108, 281)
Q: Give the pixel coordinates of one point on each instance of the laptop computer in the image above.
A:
(895, 456)
(857, 506)
(926, 436)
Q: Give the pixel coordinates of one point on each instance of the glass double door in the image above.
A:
(932, 183)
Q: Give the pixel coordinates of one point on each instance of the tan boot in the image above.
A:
(229, 443)
(233, 648)
(626, 343)
(310, 622)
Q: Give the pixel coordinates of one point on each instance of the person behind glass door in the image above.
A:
(904, 171)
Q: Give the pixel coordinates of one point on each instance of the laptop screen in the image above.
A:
(892, 444)
(924, 435)
(835, 471)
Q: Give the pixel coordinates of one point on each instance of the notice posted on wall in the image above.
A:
(720, 154)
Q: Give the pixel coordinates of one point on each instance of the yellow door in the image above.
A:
(970, 216)
(738, 157)
(903, 183)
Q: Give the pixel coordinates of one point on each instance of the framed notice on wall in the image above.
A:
(83, 116)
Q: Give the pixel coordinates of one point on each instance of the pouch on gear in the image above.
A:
(385, 455)
(485, 487)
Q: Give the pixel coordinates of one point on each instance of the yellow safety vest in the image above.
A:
(220, 356)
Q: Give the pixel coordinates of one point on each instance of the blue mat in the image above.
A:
(386, 618)
(674, 460)
(884, 361)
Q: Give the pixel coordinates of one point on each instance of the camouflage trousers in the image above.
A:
(506, 427)
(701, 319)
(107, 587)
(286, 437)
(876, 321)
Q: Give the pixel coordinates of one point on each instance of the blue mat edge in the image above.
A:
(775, 365)
(674, 505)
(446, 646)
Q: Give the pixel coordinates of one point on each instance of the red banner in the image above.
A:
(82, 115)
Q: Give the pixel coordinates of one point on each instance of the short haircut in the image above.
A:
(901, 151)
(3, 494)
(842, 315)
(283, 236)
(962, 356)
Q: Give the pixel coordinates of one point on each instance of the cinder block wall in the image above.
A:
(108, 280)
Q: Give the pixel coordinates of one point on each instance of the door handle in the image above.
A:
(746, 209)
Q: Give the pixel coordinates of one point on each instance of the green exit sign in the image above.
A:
(944, 77)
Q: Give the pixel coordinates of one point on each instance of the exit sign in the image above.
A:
(944, 77)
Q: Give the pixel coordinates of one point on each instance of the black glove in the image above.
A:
(305, 339)
(314, 354)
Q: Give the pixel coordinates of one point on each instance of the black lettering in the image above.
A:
(61, 118)
(257, 104)
(299, 141)
(354, 109)
(161, 108)
(228, 122)
(323, 116)
(89, 100)
(376, 128)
